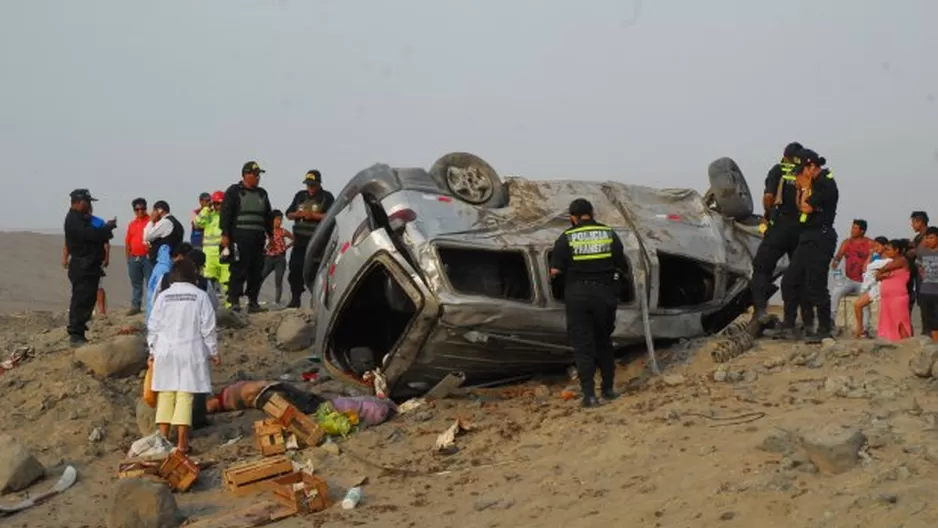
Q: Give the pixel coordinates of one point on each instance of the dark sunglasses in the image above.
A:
(140, 209)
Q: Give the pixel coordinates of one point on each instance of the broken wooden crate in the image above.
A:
(179, 471)
(256, 476)
(268, 437)
(302, 493)
(307, 431)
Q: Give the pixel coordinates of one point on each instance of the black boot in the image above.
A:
(589, 402)
(294, 301)
(253, 308)
(609, 394)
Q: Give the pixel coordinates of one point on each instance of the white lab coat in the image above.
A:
(181, 336)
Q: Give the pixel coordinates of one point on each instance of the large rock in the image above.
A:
(295, 333)
(122, 356)
(225, 318)
(833, 449)
(146, 418)
(18, 467)
(923, 362)
(139, 503)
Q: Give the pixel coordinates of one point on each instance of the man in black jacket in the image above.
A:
(308, 208)
(85, 245)
(246, 220)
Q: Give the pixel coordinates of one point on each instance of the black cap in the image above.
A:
(252, 167)
(205, 196)
(809, 157)
(82, 194)
(580, 207)
(312, 176)
(162, 205)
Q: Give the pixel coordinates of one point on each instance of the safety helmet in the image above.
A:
(218, 197)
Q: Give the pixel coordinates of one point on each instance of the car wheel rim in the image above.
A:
(469, 184)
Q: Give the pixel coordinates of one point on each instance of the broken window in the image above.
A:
(683, 282)
(372, 320)
(492, 273)
(626, 287)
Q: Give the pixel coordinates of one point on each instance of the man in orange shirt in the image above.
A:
(139, 265)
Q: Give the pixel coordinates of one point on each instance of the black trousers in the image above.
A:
(297, 260)
(276, 264)
(247, 273)
(807, 276)
(780, 239)
(85, 279)
(591, 319)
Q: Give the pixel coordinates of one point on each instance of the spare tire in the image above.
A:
(470, 179)
(729, 189)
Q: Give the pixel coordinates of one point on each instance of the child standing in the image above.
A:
(927, 262)
(276, 257)
(182, 341)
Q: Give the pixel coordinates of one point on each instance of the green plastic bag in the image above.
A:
(332, 421)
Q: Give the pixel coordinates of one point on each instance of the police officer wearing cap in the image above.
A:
(246, 220)
(306, 210)
(782, 229)
(589, 255)
(817, 197)
(85, 244)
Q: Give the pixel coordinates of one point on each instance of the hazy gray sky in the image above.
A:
(166, 99)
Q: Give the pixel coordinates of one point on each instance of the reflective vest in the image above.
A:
(210, 222)
(306, 228)
(252, 212)
(804, 216)
(592, 242)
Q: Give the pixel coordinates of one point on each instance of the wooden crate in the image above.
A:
(307, 431)
(256, 476)
(268, 437)
(303, 493)
(179, 471)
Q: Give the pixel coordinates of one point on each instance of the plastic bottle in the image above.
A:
(352, 498)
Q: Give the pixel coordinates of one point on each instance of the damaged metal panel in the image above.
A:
(465, 287)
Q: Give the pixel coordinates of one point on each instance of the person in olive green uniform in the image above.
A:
(246, 220)
(307, 210)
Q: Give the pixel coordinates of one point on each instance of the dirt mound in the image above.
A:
(748, 442)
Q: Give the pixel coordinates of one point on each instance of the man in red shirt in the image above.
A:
(855, 251)
(139, 266)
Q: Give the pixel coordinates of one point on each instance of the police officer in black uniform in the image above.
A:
(246, 220)
(86, 248)
(307, 210)
(589, 255)
(817, 199)
(781, 229)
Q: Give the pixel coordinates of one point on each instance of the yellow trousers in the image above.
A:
(174, 408)
(215, 269)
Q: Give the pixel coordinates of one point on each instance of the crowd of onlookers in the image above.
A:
(897, 274)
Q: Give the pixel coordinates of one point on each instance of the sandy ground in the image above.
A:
(666, 454)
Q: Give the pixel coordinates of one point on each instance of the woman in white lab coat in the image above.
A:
(182, 341)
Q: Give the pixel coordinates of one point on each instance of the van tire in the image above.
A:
(470, 179)
(729, 190)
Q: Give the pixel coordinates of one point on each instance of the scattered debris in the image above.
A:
(447, 438)
(69, 476)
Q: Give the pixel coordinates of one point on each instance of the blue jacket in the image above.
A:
(163, 265)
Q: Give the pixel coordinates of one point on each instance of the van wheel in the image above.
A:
(471, 179)
(729, 190)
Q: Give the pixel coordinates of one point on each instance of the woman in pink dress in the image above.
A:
(895, 320)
